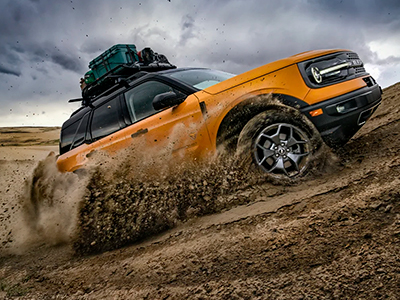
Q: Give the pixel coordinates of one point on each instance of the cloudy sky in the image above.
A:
(46, 45)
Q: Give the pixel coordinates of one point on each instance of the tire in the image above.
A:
(279, 143)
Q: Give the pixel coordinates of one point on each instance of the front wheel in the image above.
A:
(279, 143)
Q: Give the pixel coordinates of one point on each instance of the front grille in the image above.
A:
(352, 55)
(360, 70)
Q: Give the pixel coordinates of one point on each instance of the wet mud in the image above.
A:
(213, 232)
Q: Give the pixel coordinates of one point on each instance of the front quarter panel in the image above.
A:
(286, 81)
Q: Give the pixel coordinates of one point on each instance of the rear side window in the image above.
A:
(74, 135)
(67, 135)
(106, 119)
(80, 135)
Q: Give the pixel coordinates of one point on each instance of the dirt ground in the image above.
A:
(332, 235)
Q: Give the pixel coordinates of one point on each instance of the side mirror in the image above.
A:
(166, 100)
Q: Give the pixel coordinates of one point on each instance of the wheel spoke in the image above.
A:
(264, 149)
(290, 133)
(275, 138)
(266, 153)
(262, 161)
(279, 165)
(295, 158)
(292, 141)
(266, 136)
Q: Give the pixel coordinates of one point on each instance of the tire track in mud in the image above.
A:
(297, 198)
(325, 251)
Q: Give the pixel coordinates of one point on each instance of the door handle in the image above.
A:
(139, 132)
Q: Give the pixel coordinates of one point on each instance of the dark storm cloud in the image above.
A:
(32, 30)
(49, 44)
(94, 46)
(188, 22)
(9, 71)
(188, 29)
(68, 62)
(364, 20)
(367, 11)
(68, 58)
(275, 29)
(15, 17)
(279, 29)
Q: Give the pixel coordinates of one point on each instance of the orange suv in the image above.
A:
(268, 114)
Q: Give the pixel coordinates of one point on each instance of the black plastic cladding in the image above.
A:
(325, 61)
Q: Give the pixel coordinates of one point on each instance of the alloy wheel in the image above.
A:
(282, 149)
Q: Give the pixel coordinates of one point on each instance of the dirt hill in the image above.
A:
(333, 235)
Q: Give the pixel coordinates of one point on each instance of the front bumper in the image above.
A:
(343, 116)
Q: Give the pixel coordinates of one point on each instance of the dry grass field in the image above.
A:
(29, 136)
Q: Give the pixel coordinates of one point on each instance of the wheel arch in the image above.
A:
(234, 121)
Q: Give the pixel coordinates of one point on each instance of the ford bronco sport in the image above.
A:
(196, 112)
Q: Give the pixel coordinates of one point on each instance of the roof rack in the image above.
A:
(118, 77)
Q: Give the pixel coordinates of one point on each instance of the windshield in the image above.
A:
(201, 78)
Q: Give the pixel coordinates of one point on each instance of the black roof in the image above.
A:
(80, 112)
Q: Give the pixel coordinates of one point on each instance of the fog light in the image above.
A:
(340, 108)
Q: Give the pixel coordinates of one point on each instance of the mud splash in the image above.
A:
(115, 201)
(44, 210)
(141, 198)
(50, 202)
(122, 199)
(138, 200)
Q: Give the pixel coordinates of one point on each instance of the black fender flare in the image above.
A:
(234, 121)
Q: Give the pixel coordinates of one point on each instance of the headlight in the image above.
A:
(316, 74)
(331, 71)
(332, 68)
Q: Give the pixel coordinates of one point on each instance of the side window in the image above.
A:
(139, 100)
(67, 135)
(79, 138)
(106, 119)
